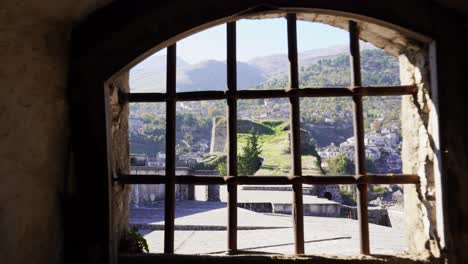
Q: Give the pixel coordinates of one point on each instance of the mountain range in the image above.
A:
(150, 74)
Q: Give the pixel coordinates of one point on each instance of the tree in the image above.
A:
(340, 165)
(370, 166)
(250, 161)
(222, 169)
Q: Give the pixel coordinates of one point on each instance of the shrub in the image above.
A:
(133, 242)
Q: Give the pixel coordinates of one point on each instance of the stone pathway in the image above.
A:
(200, 229)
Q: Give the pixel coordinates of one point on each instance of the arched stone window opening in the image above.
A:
(419, 121)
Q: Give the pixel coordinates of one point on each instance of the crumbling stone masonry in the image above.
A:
(418, 153)
(120, 151)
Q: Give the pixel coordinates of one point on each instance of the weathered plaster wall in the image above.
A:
(33, 141)
(34, 126)
(119, 113)
(418, 154)
(418, 150)
(34, 41)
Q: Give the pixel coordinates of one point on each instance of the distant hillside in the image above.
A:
(211, 75)
(149, 75)
(378, 68)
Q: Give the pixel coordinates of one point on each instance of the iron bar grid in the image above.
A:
(169, 202)
(359, 148)
(266, 94)
(270, 180)
(232, 136)
(295, 136)
(356, 91)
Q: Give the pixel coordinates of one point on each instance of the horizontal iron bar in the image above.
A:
(270, 180)
(262, 94)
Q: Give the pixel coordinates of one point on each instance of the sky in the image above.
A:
(257, 38)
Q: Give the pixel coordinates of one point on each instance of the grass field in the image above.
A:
(276, 159)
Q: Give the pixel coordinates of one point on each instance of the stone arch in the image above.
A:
(122, 34)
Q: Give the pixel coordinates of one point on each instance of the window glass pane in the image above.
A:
(327, 136)
(383, 153)
(263, 137)
(264, 217)
(387, 219)
(201, 61)
(147, 213)
(201, 135)
(323, 54)
(147, 135)
(200, 224)
(262, 54)
(378, 67)
(200, 150)
(149, 76)
(330, 227)
(147, 138)
(383, 134)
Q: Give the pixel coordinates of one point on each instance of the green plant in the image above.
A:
(249, 161)
(222, 169)
(133, 242)
(340, 165)
(378, 189)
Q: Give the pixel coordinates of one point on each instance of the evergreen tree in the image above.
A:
(250, 161)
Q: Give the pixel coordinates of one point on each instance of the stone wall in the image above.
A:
(418, 154)
(147, 195)
(34, 135)
(35, 127)
(378, 216)
(333, 190)
(119, 113)
(218, 136)
(418, 145)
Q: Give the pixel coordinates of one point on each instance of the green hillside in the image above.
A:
(378, 68)
(276, 152)
(323, 120)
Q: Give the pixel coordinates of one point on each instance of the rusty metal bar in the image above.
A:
(169, 206)
(270, 180)
(265, 94)
(232, 136)
(295, 135)
(360, 150)
(143, 97)
(200, 96)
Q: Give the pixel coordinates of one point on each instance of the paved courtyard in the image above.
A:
(201, 229)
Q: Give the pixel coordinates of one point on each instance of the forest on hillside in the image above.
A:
(327, 119)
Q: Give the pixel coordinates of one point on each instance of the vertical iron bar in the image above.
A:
(232, 135)
(360, 151)
(169, 209)
(295, 135)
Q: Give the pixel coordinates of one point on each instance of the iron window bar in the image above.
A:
(231, 168)
(295, 136)
(359, 147)
(231, 95)
(270, 180)
(169, 205)
(265, 94)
